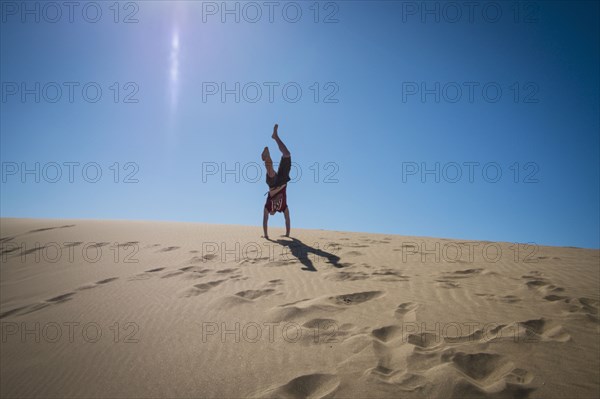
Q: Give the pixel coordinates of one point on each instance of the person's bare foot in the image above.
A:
(265, 154)
(274, 135)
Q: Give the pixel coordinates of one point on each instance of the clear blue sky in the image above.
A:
(372, 60)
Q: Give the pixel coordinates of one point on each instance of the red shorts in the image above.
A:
(278, 203)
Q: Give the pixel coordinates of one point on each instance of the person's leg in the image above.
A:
(282, 147)
(266, 157)
(283, 171)
(286, 213)
(265, 222)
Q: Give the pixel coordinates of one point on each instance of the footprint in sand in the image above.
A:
(253, 261)
(460, 274)
(354, 298)
(488, 370)
(61, 298)
(9, 250)
(463, 388)
(57, 299)
(294, 303)
(145, 275)
(548, 330)
(587, 306)
(519, 376)
(39, 306)
(306, 308)
(405, 309)
(509, 299)
(191, 268)
(14, 311)
(392, 275)
(484, 374)
(305, 386)
(97, 283)
(387, 333)
(554, 298)
(227, 271)
(447, 283)
(168, 249)
(50, 228)
(254, 294)
(424, 340)
(201, 288)
(535, 282)
(535, 330)
(447, 279)
(172, 274)
(549, 291)
(129, 244)
(480, 366)
(193, 272)
(32, 250)
(502, 298)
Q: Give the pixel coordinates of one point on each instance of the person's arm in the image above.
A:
(265, 222)
(286, 213)
(274, 191)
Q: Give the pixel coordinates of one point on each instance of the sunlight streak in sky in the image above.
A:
(174, 70)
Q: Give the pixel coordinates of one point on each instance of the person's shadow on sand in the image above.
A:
(302, 251)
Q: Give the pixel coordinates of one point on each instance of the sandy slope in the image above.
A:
(149, 309)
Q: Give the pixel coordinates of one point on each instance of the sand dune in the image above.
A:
(155, 309)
